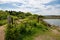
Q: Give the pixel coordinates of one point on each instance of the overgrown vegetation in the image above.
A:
(14, 14)
(25, 25)
(27, 28)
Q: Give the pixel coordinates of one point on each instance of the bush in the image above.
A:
(3, 15)
(3, 22)
(24, 29)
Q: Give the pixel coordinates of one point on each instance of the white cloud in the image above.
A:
(9, 1)
(51, 10)
(34, 6)
(46, 1)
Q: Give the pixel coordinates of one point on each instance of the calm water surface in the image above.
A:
(53, 21)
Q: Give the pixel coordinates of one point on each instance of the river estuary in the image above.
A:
(53, 21)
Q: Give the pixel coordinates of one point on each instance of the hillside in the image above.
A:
(26, 26)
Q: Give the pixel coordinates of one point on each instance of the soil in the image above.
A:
(2, 34)
(47, 37)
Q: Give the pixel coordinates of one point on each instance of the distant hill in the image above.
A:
(52, 16)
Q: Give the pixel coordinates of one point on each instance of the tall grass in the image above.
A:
(25, 29)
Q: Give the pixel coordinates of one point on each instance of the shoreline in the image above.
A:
(50, 25)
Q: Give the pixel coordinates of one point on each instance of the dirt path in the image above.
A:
(44, 37)
(53, 36)
(2, 32)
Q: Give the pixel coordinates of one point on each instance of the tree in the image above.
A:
(28, 14)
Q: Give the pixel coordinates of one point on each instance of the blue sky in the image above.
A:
(43, 7)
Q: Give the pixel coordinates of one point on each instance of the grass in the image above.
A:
(28, 27)
(29, 30)
(3, 22)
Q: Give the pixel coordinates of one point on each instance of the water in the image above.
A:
(53, 21)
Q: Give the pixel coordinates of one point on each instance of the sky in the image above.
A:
(42, 7)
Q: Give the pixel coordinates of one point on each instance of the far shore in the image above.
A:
(51, 17)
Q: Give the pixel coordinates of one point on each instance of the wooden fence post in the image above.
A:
(10, 20)
(40, 18)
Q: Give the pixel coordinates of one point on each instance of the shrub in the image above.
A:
(2, 22)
